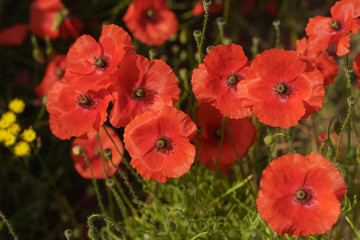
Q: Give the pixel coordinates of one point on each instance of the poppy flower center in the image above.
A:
(304, 196)
(100, 63)
(140, 93)
(283, 90)
(217, 133)
(150, 14)
(84, 100)
(232, 80)
(335, 25)
(164, 145)
(59, 73)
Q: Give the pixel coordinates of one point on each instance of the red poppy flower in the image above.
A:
(322, 60)
(50, 18)
(141, 85)
(287, 88)
(92, 150)
(159, 143)
(73, 113)
(215, 7)
(54, 72)
(322, 31)
(243, 133)
(151, 21)
(89, 64)
(13, 35)
(216, 80)
(300, 195)
(356, 65)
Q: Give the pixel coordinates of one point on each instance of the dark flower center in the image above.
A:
(304, 196)
(217, 133)
(335, 25)
(96, 153)
(100, 63)
(150, 14)
(59, 73)
(164, 145)
(84, 100)
(283, 90)
(140, 93)
(232, 80)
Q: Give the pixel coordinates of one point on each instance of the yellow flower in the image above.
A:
(14, 128)
(21, 149)
(7, 119)
(28, 135)
(7, 138)
(17, 105)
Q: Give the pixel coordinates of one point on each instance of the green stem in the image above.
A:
(226, 10)
(287, 137)
(342, 132)
(124, 160)
(202, 37)
(106, 219)
(120, 204)
(11, 230)
(273, 145)
(242, 171)
(101, 154)
(95, 184)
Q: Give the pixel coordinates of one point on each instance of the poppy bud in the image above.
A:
(153, 53)
(220, 22)
(337, 128)
(77, 150)
(276, 23)
(269, 140)
(108, 153)
(110, 182)
(197, 35)
(93, 234)
(209, 48)
(351, 101)
(68, 234)
(348, 72)
(206, 5)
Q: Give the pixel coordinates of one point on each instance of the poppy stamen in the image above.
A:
(163, 144)
(283, 90)
(232, 80)
(84, 100)
(140, 93)
(304, 196)
(100, 63)
(59, 73)
(150, 14)
(335, 25)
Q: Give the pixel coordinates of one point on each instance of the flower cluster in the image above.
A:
(10, 130)
(105, 82)
(109, 71)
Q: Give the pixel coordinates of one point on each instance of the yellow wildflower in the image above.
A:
(21, 149)
(14, 128)
(17, 105)
(7, 138)
(28, 135)
(7, 119)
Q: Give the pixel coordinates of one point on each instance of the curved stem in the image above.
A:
(342, 132)
(11, 230)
